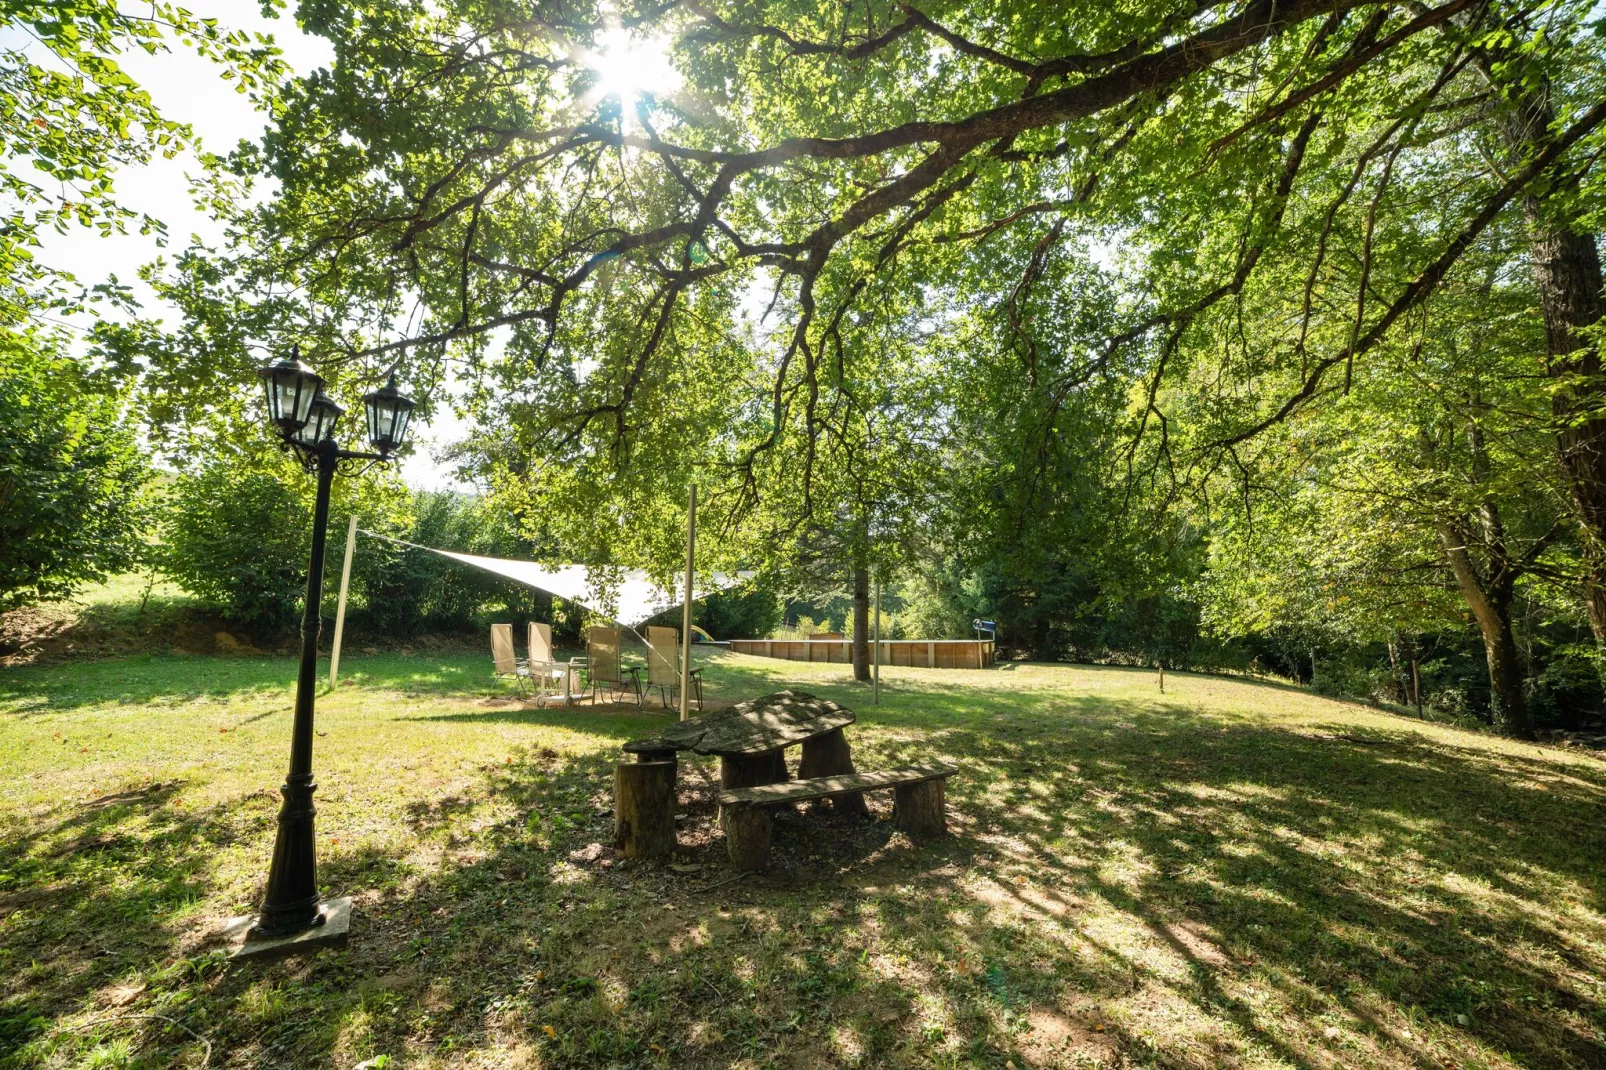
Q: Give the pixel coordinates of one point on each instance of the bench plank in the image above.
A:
(823, 787)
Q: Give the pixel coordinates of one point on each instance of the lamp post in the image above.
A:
(305, 419)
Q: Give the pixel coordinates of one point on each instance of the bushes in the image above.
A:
(235, 536)
(72, 476)
(236, 530)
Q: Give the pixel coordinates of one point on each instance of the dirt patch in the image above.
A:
(63, 631)
(1056, 1039)
(1193, 939)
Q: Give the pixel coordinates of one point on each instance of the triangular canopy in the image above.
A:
(625, 595)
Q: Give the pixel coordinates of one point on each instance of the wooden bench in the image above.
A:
(918, 793)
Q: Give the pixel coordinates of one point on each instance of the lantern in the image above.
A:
(389, 413)
(290, 387)
(320, 423)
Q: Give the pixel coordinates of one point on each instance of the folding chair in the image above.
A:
(604, 667)
(546, 670)
(502, 658)
(663, 667)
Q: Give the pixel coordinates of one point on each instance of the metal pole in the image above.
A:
(875, 679)
(685, 615)
(340, 610)
(291, 902)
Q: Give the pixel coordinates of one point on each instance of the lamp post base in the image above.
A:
(334, 932)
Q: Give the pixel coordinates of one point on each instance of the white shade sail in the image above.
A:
(624, 595)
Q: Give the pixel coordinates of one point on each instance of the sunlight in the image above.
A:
(630, 68)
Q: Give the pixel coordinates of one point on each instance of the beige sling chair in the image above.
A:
(663, 667)
(502, 656)
(603, 665)
(545, 670)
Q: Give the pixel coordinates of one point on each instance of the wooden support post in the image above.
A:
(644, 809)
(919, 809)
(830, 755)
(1162, 677)
(875, 686)
(747, 837)
(931, 655)
(340, 610)
(685, 616)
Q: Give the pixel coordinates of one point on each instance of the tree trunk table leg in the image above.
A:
(644, 809)
(830, 755)
(750, 771)
(919, 809)
(747, 837)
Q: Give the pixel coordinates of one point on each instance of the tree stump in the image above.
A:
(747, 837)
(918, 809)
(830, 755)
(651, 750)
(644, 809)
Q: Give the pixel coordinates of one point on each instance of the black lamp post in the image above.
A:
(305, 419)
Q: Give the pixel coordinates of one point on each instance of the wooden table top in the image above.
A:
(759, 725)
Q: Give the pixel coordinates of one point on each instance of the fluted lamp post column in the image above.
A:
(293, 917)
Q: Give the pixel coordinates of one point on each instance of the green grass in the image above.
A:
(1229, 874)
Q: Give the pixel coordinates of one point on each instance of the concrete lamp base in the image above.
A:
(334, 932)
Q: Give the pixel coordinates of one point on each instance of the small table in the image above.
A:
(570, 671)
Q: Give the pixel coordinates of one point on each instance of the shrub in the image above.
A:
(237, 528)
(235, 535)
(72, 476)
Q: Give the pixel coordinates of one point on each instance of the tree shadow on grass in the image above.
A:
(1157, 885)
(152, 679)
(87, 891)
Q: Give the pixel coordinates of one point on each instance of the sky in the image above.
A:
(188, 88)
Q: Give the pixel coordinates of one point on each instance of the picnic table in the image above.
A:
(750, 739)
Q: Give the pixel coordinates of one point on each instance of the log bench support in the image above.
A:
(644, 809)
(919, 808)
(918, 797)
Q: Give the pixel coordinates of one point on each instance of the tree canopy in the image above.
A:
(1141, 289)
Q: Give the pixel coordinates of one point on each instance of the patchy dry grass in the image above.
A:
(1230, 874)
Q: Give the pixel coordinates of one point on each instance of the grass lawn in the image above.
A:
(1229, 874)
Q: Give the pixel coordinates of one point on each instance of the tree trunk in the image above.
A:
(1490, 603)
(861, 622)
(1401, 689)
(1567, 274)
